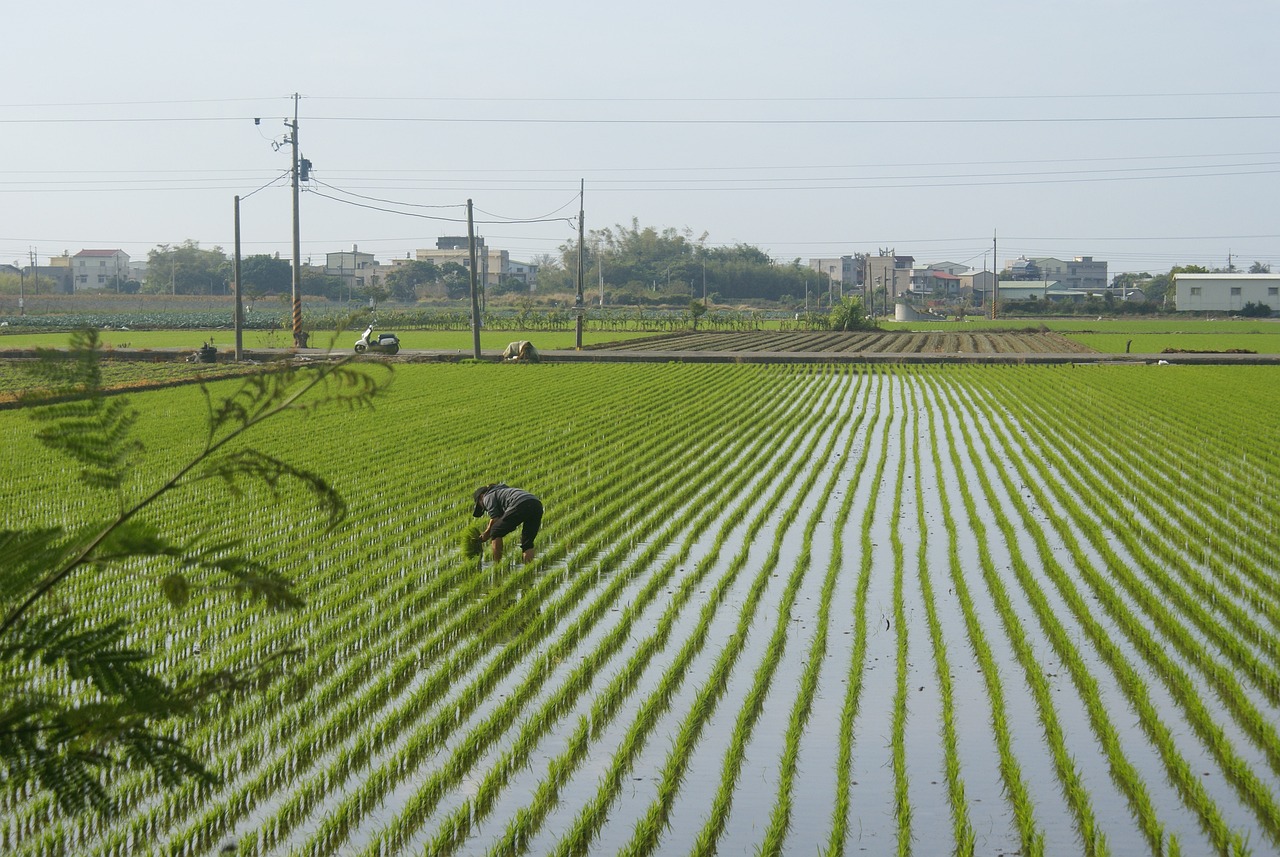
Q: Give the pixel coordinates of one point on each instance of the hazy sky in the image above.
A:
(1143, 132)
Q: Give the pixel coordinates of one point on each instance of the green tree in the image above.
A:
(129, 713)
(697, 309)
(404, 279)
(187, 270)
(457, 280)
(848, 314)
(376, 293)
(266, 275)
(323, 285)
(670, 266)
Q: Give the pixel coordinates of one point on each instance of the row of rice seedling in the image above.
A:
(852, 697)
(585, 826)
(1078, 796)
(565, 642)
(901, 786)
(407, 768)
(1123, 770)
(649, 827)
(450, 706)
(780, 820)
(962, 835)
(1136, 626)
(526, 821)
(1014, 781)
(1129, 778)
(1208, 633)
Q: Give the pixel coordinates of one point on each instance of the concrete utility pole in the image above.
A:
(475, 290)
(299, 339)
(239, 320)
(995, 270)
(578, 305)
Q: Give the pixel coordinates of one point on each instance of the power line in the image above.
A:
(428, 216)
(790, 99)
(386, 201)
(512, 120)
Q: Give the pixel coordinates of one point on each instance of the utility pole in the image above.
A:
(22, 287)
(299, 339)
(475, 290)
(995, 279)
(239, 320)
(582, 185)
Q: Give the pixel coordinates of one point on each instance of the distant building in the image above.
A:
(1225, 292)
(954, 268)
(526, 272)
(355, 269)
(976, 284)
(890, 272)
(842, 271)
(931, 281)
(99, 269)
(1083, 272)
(493, 264)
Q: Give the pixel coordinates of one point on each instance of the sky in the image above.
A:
(1142, 132)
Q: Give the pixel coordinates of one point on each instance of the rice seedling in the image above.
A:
(444, 705)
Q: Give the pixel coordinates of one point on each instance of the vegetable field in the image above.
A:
(779, 609)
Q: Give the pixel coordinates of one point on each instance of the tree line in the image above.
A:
(643, 265)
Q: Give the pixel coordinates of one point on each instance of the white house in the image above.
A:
(1226, 292)
(99, 269)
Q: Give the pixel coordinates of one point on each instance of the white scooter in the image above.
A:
(386, 343)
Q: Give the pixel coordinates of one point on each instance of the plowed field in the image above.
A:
(872, 342)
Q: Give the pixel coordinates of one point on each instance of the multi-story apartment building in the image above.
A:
(99, 269)
(493, 264)
(1082, 273)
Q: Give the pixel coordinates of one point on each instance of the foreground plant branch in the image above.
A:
(59, 737)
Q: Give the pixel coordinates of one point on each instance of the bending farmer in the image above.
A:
(520, 351)
(508, 508)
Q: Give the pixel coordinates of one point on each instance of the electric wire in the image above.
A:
(544, 120)
(437, 218)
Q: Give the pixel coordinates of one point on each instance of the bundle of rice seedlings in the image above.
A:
(470, 541)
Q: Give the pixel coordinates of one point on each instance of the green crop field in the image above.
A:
(776, 609)
(224, 340)
(1154, 343)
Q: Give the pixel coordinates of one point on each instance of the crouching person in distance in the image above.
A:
(520, 351)
(508, 508)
